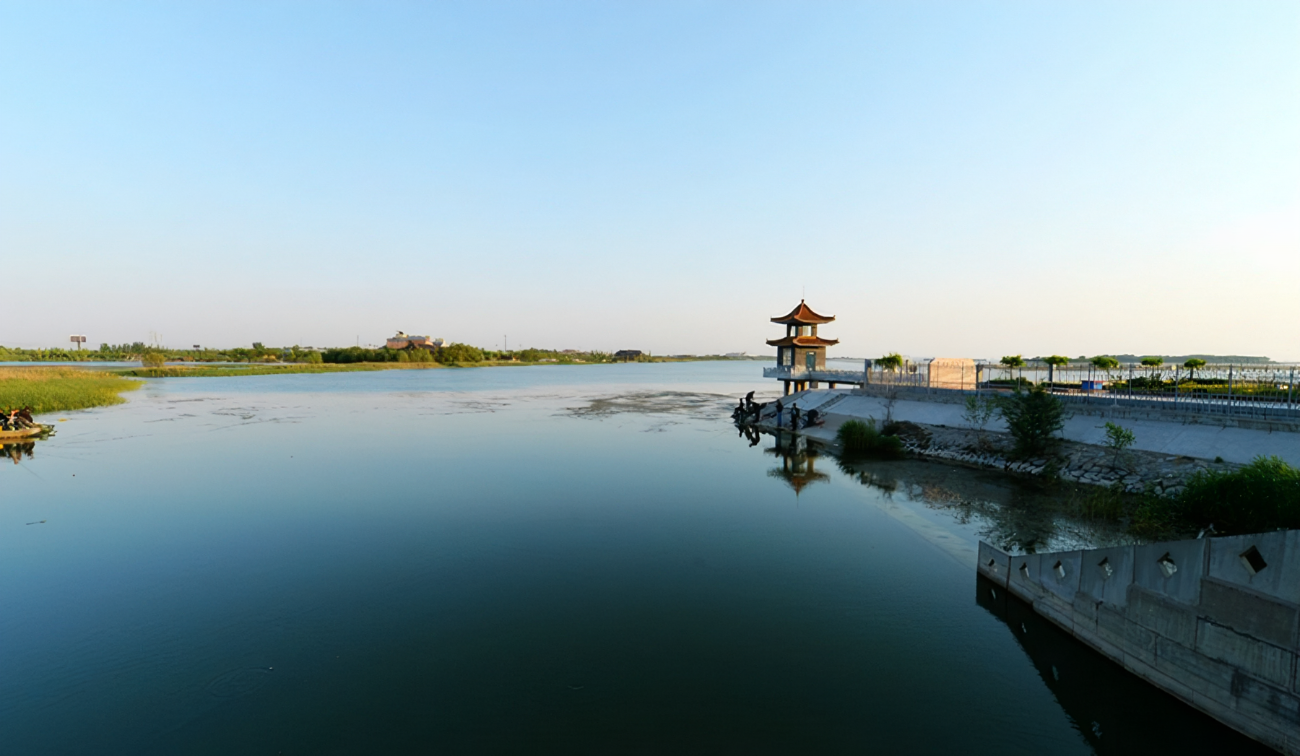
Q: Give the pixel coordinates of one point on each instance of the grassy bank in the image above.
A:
(56, 389)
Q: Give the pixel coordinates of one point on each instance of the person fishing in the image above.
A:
(779, 408)
(794, 417)
(814, 418)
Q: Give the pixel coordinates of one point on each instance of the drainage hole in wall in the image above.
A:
(1253, 561)
(1167, 565)
(1059, 569)
(1106, 569)
(1024, 569)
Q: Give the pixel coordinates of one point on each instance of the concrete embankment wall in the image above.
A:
(1214, 622)
(1174, 437)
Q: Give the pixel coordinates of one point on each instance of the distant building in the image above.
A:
(952, 373)
(404, 340)
(627, 355)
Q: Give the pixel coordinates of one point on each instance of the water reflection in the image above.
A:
(798, 462)
(1112, 709)
(17, 451)
(1016, 514)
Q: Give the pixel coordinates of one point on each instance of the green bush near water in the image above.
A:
(862, 439)
(60, 389)
(1262, 496)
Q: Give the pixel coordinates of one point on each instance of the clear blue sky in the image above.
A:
(957, 179)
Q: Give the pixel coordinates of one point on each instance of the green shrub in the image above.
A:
(1262, 496)
(1118, 438)
(153, 359)
(861, 439)
(1033, 418)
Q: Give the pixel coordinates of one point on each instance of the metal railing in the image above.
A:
(1264, 391)
(789, 373)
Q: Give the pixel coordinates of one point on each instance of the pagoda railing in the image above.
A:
(790, 373)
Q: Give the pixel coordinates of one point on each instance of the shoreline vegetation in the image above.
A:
(462, 354)
(49, 389)
(1258, 497)
(58, 389)
(201, 370)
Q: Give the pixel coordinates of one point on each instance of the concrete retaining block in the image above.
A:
(1105, 574)
(1265, 702)
(993, 564)
(1263, 660)
(1247, 612)
(1169, 619)
(1060, 574)
(1173, 569)
(1212, 678)
(1119, 630)
(1227, 644)
(1051, 607)
(1024, 580)
(1085, 611)
(1273, 569)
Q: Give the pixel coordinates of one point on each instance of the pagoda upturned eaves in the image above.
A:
(802, 341)
(803, 315)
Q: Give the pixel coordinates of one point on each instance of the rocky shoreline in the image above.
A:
(1134, 471)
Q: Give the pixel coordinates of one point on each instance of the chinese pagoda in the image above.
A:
(802, 350)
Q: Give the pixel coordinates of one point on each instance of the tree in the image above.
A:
(891, 362)
(1193, 365)
(1054, 362)
(1013, 361)
(1153, 363)
(979, 410)
(1118, 438)
(153, 359)
(459, 353)
(1102, 362)
(1033, 418)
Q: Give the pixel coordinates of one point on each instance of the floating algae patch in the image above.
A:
(701, 405)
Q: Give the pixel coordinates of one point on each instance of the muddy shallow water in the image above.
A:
(575, 560)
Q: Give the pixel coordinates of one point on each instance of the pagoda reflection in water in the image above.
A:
(798, 462)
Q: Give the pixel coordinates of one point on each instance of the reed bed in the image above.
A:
(57, 389)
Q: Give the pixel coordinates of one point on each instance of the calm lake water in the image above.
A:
(555, 559)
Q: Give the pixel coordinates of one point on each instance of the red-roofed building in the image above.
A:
(801, 350)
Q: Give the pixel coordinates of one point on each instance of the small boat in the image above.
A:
(18, 435)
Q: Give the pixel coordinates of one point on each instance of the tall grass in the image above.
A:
(1262, 496)
(55, 389)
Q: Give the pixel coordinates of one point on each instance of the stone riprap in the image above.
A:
(1214, 622)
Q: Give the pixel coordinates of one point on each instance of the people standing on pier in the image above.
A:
(779, 408)
(794, 417)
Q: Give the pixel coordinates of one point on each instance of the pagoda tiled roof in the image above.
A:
(803, 315)
(803, 341)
